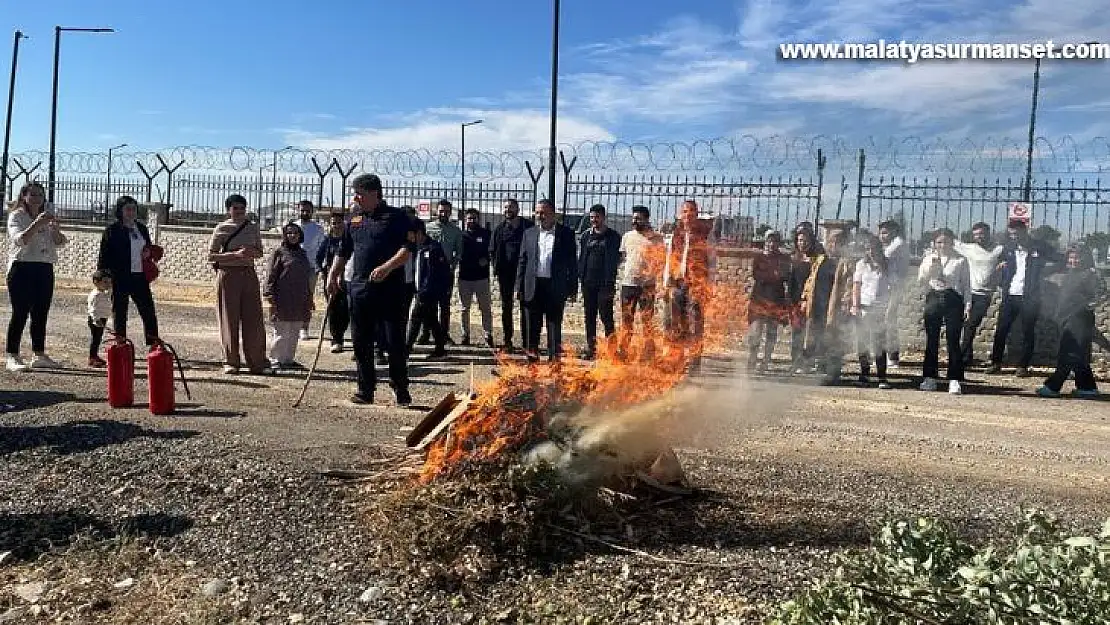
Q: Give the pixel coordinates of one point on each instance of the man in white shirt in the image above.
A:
(546, 278)
(1024, 264)
(982, 258)
(314, 235)
(898, 263)
(642, 250)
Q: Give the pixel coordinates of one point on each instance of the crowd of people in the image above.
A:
(826, 295)
(391, 279)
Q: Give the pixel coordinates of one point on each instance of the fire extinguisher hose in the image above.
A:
(180, 369)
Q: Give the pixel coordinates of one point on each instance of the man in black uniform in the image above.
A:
(377, 241)
(504, 251)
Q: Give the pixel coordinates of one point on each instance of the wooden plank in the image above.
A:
(447, 422)
(433, 418)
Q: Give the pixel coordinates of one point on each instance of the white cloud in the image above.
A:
(438, 129)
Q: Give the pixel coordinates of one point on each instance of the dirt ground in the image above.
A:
(220, 513)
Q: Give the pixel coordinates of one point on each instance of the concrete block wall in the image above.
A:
(185, 269)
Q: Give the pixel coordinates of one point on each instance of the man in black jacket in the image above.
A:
(599, 258)
(433, 279)
(546, 278)
(504, 247)
(474, 276)
(1023, 267)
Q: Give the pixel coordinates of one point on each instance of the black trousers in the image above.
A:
(641, 299)
(445, 305)
(372, 312)
(507, 288)
(597, 300)
(980, 302)
(339, 314)
(133, 286)
(30, 290)
(686, 320)
(406, 311)
(96, 336)
(425, 318)
(1015, 307)
(544, 307)
(943, 309)
(1075, 353)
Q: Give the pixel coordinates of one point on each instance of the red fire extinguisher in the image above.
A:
(159, 374)
(121, 373)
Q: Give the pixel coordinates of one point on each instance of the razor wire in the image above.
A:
(990, 155)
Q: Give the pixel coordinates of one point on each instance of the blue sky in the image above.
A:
(374, 74)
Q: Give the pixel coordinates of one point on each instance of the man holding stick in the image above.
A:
(377, 242)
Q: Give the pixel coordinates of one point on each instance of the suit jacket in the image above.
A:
(612, 248)
(1036, 268)
(564, 264)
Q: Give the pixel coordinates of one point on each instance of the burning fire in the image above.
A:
(509, 412)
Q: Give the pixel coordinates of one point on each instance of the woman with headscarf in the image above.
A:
(1080, 288)
(288, 293)
(34, 238)
(127, 253)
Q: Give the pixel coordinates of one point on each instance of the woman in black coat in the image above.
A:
(127, 252)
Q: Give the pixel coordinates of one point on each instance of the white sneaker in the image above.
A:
(304, 335)
(954, 387)
(42, 361)
(230, 370)
(928, 384)
(16, 364)
(892, 365)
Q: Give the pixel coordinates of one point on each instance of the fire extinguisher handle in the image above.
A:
(180, 369)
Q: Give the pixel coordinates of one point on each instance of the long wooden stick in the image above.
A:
(316, 358)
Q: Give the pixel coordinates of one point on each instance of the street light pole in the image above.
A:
(554, 103)
(462, 164)
(58, 30)
(1027, 188)
(8, 122)
(108, 183)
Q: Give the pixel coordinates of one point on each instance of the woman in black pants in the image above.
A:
(123, 247)
(34, 238)
(947, 304)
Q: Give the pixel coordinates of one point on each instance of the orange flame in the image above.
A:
(505, 415)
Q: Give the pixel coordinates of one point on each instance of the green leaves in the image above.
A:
(919, 572)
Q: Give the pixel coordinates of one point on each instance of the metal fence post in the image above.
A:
(149, 179)
(534, 176)
(322, 173)
(820, 184)
(343, 175)
(566, 178)
(169, 177)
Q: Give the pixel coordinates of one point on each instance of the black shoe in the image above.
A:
(1021, 372)
(994, 369)
(489, 341)
(465, 342)
(381, 360)
(588, 354)
(403, 397)
(436, 354)
(424, 340)
(451, 341)
(507, 348)
(362, 400)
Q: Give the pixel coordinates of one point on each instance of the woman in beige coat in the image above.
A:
(236, 244)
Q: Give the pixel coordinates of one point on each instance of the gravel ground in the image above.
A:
(220, 513)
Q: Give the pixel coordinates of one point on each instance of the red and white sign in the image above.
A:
(1020, 212)
(424, 209)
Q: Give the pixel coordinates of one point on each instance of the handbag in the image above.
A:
(152, 255)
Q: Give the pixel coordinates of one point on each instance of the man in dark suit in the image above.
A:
(546, 278)
(1024, 265)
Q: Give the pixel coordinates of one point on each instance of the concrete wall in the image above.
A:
(187, 275)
